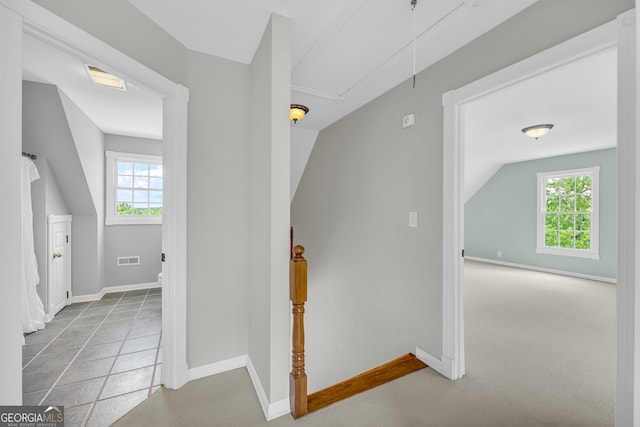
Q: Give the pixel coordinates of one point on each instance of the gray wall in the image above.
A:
(130, 144)
(47, 133)
(270, 195)
(132, 239)
(501, 216)
(144, 241)
(375, 285)
(218, 210)
(88, 241)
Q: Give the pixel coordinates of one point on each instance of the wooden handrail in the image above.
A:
(298, 296)
(291, 244)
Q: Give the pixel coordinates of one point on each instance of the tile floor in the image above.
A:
(99, 359)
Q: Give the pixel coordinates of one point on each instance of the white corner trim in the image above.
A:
(271, 410)
(278, 409)
(443, 366)
(544, 270)
(257, 385)
(218, 367)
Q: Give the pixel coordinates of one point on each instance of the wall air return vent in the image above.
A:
(124, 261)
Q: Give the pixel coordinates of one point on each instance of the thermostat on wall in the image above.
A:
(408, 120)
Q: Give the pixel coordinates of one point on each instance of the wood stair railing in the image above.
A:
(298, 296)
(301, 403)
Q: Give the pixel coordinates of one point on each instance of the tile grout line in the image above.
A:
(155, 367)
(57, 335)
(93, 405)
(75, 356)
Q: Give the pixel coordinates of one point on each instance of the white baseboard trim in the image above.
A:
(218, 367)
(124, 288)
(112, 289)
(271, 410)
(278, 409)
(443, 366)
(544, 270)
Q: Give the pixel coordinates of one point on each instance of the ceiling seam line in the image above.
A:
(353, 87)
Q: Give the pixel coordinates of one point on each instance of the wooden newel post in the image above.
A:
(298, 296)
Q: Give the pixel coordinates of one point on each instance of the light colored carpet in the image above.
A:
(540, 352)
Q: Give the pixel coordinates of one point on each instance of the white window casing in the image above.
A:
(594, 251)
(112, 159)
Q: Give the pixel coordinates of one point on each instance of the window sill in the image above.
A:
(133, 221)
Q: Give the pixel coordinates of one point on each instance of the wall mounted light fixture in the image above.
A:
(297, 112)
(537, 131)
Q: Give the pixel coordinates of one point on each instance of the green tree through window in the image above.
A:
(568, 212)
(134, 188)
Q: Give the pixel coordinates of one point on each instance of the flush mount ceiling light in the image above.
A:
(103, 78)
(537, 131)
(297, 112)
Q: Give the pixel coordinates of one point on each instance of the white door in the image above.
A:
(59, 283)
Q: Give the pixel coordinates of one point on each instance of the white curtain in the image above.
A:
(32, 307)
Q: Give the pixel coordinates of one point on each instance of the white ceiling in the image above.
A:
(579, 99)
(344, 53)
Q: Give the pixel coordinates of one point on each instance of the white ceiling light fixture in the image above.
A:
(103, 78)
(537, 131)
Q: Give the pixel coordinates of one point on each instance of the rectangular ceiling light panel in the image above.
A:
(103, 78)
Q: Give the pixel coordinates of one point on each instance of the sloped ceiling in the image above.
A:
(579, 99)
(133, 112)
(344, 54)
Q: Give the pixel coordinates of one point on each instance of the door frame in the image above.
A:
(620, 33)
(54, 219)
(55, 31)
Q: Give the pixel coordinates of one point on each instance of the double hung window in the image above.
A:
(134, 189)
(568, 213)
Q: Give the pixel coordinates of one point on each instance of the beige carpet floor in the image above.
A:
(540, 352)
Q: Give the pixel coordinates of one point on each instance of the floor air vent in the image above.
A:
(128, 260)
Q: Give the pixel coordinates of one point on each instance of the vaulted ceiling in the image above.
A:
(345, 54)
(579, 99)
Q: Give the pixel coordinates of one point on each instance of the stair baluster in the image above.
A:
(298, 296)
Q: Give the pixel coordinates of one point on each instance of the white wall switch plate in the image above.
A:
(413, 219)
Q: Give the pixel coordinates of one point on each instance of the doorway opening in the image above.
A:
(44, 26)
(614, 34)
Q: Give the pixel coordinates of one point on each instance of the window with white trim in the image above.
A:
(568, 214)
(134, 188)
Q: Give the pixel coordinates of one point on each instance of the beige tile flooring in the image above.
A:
(98, 359)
